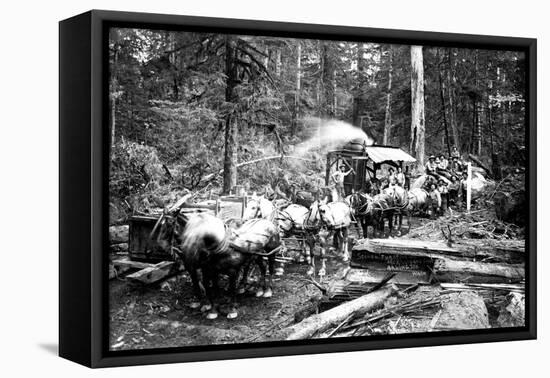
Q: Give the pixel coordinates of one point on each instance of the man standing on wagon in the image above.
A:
(338, 179)
(400, 176)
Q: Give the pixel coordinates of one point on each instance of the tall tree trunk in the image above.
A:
(444, 109)
(298, 87)
(266, 57)
(114, 86)
(172, 58)
(443, 105)
(278, 61)
(477, 120)
(230, 157)
(451, 101)
(327, 78)
(489, 106)
(357, 90)
(417, 106)
(387, 118)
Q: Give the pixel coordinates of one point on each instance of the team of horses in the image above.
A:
(209, 248)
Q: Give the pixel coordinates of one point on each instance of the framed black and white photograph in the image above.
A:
(235, 188)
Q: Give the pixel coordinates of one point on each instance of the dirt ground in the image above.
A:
(160, 316)
(157, 316)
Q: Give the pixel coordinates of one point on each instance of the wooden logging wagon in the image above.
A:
(366, 161)
(147, 261)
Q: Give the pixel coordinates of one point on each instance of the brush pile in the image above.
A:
(478, 224)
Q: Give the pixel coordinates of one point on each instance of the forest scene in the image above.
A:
(382, 135)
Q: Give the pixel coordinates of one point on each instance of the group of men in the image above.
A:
(447, 182)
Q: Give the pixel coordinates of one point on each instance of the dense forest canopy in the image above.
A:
(187, 108)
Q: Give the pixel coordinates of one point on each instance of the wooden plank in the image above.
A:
(200, 206)
(126, 262)
(517, 288)
(410, 277)
(180, 202)
(154, 273)
(389, 261)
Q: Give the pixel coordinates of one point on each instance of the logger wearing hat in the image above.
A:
(455, 153)
(444, 193)
(431, 166)
(456, 167)
(338, 179)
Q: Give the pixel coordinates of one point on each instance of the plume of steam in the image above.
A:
(325, 135)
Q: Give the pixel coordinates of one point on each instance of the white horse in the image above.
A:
(336, 216)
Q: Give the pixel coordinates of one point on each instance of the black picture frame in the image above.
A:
(83, 180)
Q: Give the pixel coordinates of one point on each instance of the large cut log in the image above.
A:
(447, 270)
(470, 249)
(321, 322)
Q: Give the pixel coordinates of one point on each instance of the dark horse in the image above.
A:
(293, 220)
(208, 249)
(359, 204)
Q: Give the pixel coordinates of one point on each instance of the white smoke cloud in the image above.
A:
(329, 134)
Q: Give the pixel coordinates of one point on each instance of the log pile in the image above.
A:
(445, 285)
(413, 260)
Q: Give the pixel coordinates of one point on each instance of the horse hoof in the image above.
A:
(212, 315)
(232, 315)
(279, 271)
(206, 307)
(268, 293)
(195, 305)
(322, 272)
(259, 293)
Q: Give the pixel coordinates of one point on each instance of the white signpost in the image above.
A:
(469, 188)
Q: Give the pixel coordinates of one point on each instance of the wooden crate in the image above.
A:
(230, 207)
(139, 246)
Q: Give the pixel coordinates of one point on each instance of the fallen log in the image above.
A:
(210, 176)
(476, 160)
(321, 322)
(447, 270)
